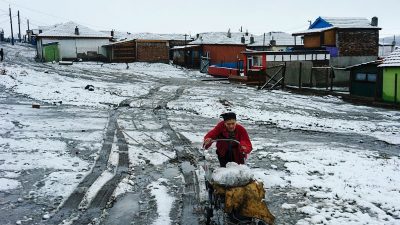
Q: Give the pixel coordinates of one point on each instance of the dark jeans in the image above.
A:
(229, 158)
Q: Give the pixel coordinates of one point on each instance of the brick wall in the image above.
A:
(358, 42)
(152, 52)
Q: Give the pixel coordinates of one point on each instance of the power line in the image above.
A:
(54, 16)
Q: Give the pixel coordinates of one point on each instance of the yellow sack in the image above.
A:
(246, 200)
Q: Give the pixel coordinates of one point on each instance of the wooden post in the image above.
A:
(283, 76)
(300, 72)
(311, 85)
(19, 28)
(332, 76)
(327, 79)
(395, 88)
(12, 31)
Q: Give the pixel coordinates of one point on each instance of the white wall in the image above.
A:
(70, 47)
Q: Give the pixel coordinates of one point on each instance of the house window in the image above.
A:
(368, 77)
(257, 61)
(361, 76)
(371, 77)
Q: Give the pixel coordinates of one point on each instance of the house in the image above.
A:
(138, 50)
(350, 41)
(70, 41)
(366, 79)
(261, 66)
(343, 36)
(275, 41)
(216, 53)
(143, 47)
(391, 77)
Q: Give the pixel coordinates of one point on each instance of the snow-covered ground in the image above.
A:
(288, 111)
(45, 153)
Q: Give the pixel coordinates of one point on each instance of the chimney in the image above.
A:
(243, 39)
(40, 31)
(76, 30)
(247, 33)
(374, 21)
(251, 39)
(272, 42)
(112, 33)
(229, 35)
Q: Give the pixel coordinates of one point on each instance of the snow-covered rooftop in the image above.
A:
(120, 36)
(348, 22)
(68, 30)
(281, 38)
(340, 23)
(316, 30)
(185, 46)
(221, 38)
(393, 59)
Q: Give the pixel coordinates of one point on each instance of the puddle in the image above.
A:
(124, 210)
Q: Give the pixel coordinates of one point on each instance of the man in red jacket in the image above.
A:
(229, 151)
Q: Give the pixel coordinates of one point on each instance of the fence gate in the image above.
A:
(205, 62)
(278, 78)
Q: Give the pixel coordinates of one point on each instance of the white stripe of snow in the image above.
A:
(104, 177)
(164, 201)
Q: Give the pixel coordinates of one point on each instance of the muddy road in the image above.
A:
(133, 161)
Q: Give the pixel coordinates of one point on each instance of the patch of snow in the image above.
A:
(164, 201)
(8, 184)
(288, 206)
(340, 177)
(95, 188)
(233, 175)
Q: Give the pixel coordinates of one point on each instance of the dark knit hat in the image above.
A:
(228, 116)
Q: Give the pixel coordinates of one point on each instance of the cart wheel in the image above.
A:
(259, 222)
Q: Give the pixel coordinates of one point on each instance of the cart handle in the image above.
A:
(225, 139)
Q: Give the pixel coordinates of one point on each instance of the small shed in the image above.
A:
(74, 41)
(138, 50)
(187, 56)
(121, 52)
(366, 79)
(51, 52)
(391, 77)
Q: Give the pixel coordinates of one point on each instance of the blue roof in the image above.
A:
(341, 22)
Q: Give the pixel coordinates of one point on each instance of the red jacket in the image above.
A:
(220, 132)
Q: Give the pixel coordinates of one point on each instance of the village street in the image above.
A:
(126, 152)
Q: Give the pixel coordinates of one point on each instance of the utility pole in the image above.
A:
(28, 24)
(19, 28)
(12, 35)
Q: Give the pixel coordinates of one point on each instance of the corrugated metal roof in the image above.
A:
(310, 31)
(118, 35)
(348, 22)
(221, 38)
(341, 23)
(68, 30)
(281, 38)
(393, 59)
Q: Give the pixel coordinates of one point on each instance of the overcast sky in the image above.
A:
(193, 16)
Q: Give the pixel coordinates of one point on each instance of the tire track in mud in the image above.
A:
(187, 159)
(103, 197)
(70, 209)
(143, 209)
